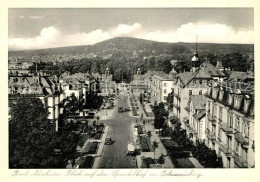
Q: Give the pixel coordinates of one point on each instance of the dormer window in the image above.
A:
(194, 82)
(200, 82)
(246, 103)
(230, 99)
(221, 94)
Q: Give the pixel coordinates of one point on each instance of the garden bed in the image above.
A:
(134, 111)
(88, 162)
(145, 144)
(98, 135)
(93, 148)
(100, 128)
(182, 163)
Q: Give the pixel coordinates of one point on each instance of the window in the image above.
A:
(165, 84)
(208, 106)
(220, 113)
(200, 82)
(213, 129)
(190, 92)
(214, 109)
(207, 82)
(194, 82)
(165, 97)
(219, 134)
(246, 129)
(245, 155)
(236, 146)
(165, 91)
(230, 120)
(200, 92)
(236, 101)
(237, 123)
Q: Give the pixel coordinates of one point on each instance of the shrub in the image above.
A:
(147, 161)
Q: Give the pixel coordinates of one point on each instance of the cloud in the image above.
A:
(33, 17)
(123, 29)
(49, 37)
(207, 32)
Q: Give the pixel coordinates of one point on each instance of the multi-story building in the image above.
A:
(139, 85)
(107, 76)
(195, 125)
(162, 85)
(194, 82)
(48, 91)
(230, 124)
(107, 85)
(79, 84)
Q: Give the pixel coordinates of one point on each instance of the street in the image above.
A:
(114, 156)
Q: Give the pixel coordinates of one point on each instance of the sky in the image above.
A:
(34, 28)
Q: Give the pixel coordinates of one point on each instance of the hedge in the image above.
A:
(144, 144)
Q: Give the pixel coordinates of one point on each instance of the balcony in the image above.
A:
(177, 95)
(211, 135)
(240, 162)
(227, 129)
(225, 149)
(176, 106)
(244, 141)
(212, 119)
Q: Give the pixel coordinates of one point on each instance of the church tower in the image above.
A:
(138, 71)
(107, 72)
(195, 60)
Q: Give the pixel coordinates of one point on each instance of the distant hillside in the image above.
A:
(127, 46)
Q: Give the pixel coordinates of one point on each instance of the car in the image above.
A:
(108, 141)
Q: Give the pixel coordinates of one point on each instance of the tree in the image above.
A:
(160, 115)
(67, 149)
(161, 159)
(31, 136)
(72, 105)
(169, 100)
(33, 142)
(149, 134)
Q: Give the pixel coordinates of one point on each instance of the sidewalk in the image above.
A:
(99, 150)
(158, 151)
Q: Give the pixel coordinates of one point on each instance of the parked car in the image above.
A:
(108, 141)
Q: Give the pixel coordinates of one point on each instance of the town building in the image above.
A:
(230, 124)
(139, 85)
(194, 82)
(195, 125)
(79, 84)
(162, 85)
(106, 84)
(37, 86)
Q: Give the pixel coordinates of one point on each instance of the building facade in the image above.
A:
(230, 125)
(40, 87)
